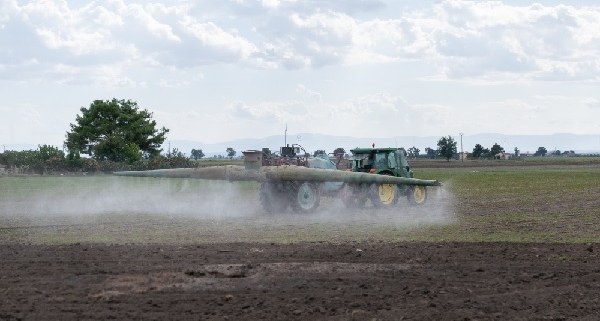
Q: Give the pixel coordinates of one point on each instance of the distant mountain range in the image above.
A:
(312, 142)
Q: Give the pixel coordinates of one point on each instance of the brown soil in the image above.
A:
(304, 281)
(342, 280)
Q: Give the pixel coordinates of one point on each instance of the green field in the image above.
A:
(542, 203)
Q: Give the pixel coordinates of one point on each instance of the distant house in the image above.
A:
(2, 169)
(503, 156)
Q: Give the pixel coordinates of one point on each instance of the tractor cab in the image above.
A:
(389, 161)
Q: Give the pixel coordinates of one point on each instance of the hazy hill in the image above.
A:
(312, 142)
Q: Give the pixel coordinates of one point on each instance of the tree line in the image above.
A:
(118, 135)
(447, 148)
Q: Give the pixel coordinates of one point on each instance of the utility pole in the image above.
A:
(462, 155)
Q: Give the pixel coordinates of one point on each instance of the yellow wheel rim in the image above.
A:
(387, 192)
(419, 194)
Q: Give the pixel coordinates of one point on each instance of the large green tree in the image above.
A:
(446, 147)
(115, 130)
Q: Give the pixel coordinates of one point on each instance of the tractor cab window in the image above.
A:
(380, 160)
(392, 161)
(401, 155)
(363, 162)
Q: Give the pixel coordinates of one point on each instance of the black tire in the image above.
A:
(272, 200)
(416, 195)
(305, 197)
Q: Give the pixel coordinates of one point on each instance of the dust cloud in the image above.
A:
(438, 209)
(215, 204)
(155, 197)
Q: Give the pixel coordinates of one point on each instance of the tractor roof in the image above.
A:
(376, 150)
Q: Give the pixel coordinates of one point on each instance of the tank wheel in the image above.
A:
(384, 195)
(305, 197)
(271, 200)
(352, 197)
(416, 195)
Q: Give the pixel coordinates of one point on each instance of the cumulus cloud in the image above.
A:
(487, 40)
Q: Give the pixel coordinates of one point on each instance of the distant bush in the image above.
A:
(48, 159)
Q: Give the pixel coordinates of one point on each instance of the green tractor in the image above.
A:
(382, 161)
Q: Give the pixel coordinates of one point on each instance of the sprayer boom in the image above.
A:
(278, 173)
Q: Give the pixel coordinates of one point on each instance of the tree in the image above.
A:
(446, 147)
(517, 152)
(197, 154)
(431, 153)
(413, 152)
(50, 157)
(47, 152)
(176, 153)
(496, 149)
(319, 152)
(339, 152)
(115, 130)
(541, 152)
(478, 151)
(230, 152)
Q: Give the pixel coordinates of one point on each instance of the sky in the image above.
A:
(219, 70)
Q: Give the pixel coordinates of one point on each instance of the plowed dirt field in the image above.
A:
(61, 260)
(304, 281)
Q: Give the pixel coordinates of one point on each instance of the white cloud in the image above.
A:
(172, 83)
(592, 102)
(224, 43)
(270, 3)
(304, 90)
(327, 65)
(464, 39)
(156, 28)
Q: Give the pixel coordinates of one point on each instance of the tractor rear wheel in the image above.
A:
(305, 197)
(384, 195)
(272, 199)
(416, 195)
